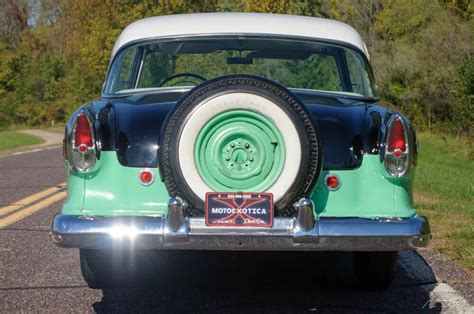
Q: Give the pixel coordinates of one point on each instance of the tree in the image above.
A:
(54, 54)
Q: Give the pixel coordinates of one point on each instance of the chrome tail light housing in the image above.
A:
(396, 157)
(80, 143)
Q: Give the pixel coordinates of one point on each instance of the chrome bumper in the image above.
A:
(300, 233)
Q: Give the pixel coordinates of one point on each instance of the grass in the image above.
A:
(444, 192)
(10, 140)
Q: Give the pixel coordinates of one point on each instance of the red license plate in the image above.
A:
(239, 209)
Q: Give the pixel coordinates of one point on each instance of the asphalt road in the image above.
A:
(37, 276)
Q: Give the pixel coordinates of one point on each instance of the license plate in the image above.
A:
(239, 209)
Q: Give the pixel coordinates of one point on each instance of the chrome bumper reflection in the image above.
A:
(326, 234)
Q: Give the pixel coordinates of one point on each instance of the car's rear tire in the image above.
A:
(92, 269)
(240, 133)
(103, 269)
(375, 270)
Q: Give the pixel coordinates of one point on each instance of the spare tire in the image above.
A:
(240, 133)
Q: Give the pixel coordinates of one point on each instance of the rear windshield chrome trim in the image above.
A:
(226, 35)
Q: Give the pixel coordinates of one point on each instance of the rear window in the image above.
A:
(187, 62)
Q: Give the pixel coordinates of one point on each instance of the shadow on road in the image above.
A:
(273, 282)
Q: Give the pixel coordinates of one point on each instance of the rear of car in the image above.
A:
(240, 140)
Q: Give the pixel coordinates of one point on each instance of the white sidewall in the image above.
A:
(208, 109)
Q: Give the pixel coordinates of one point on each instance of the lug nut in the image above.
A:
(251, 158)
(247, 145)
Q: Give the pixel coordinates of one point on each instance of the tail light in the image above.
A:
(396, 158)
(146, 177)
(83, 139)
(82, 152)
(332, 182)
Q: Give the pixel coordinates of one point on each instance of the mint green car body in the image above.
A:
(365, 192)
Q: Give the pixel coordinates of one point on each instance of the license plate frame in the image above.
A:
(231, 209)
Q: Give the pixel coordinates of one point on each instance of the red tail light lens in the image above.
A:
(80, 145)
(332, 182)
(146, 177)
(396, 157)
(396, 139)
(83, 133)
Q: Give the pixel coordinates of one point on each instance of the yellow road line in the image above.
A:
(25, 212)
(30, 199)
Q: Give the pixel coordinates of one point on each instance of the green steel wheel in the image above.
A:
(239, 150)
(240, 133)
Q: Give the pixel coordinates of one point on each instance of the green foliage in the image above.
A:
(9, 66)
(463, 89)
(54, 55)
(419, 47)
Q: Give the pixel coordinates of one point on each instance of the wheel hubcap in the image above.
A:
(239, 150)
(240, 156)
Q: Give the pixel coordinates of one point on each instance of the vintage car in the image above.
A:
(235, 131)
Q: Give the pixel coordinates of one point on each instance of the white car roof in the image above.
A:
(239, 23)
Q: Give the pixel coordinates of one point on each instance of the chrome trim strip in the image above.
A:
(327, 234)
